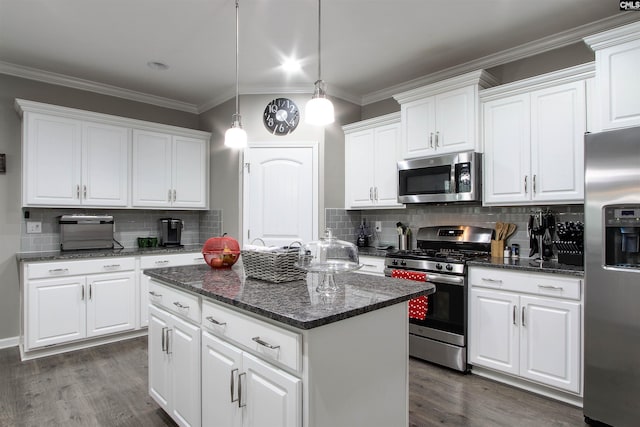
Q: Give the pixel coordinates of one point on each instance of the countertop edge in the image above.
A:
(528, 264)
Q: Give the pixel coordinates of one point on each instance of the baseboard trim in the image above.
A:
(9, 342)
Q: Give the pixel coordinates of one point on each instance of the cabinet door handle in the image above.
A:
(437, 138)
(112, 266)
(486, 279)
(164, 339)
(534, 184)
(78, 191)
(514, 315)
(375, 193)
(90, 290)
(161, 262)
(174, 195)
(525, 184)
(177, 304)
(523, 322)
(240, 405)
(59, 270)
(431, 140)
(169, 199)
(154, 294)
(233, 384)
(214, 321)
(168, 342)
(371, 193)
(84, 191)
(553, 288)
(264, 343)
(82, 293)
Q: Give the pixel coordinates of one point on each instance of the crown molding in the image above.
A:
(387, 119)
(91, 86)
(615, 36)
(526, 50)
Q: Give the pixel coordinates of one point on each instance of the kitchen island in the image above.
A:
(260, 353)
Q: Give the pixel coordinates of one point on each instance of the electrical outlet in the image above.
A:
(378, 226)
(34, 227)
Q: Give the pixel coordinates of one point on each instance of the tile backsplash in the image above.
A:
(345, 223)
(129, 225)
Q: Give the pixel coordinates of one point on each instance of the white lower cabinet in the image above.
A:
(527, 325)
(371, 265)
(242, 390)
(61, 305)
(174, 366)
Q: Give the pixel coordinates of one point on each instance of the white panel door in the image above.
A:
(281, 194)
(507, 150)
(272, 397)
(386, 149)
(550, 342)
(105, 165)
(558, 124)
(190, 175)
(151, 179)
(56, 311)
(418, 128)
(221, 365)
(53, 146)
(494, 332)
(111, 303)
(455, 120)
(359, 174)
(184, 350)
(160, 387)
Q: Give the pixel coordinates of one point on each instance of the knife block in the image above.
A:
(497, 248)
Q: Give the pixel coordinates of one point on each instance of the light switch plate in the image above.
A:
(34, 227)
(378, 226)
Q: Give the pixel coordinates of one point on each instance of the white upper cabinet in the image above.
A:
(533, 132)
(617, 63)
(372, 150)
(79, 158)
(169, 171)
(443, 117)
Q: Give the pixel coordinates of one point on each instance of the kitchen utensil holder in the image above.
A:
(497, 248)
(275, 266)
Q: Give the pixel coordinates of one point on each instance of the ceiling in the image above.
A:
(367, 45)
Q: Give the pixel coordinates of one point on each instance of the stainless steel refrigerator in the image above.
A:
(612, 275)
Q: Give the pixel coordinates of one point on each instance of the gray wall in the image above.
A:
(10, 139)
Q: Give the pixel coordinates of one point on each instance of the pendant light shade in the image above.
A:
(319, 110)
(235, 136)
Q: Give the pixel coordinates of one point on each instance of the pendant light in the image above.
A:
(319, 110)
(235, 136)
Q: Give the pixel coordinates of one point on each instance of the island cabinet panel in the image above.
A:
(527, 325)
(174, 366)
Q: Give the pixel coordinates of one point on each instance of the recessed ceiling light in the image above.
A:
(155, 65)
(291, 65)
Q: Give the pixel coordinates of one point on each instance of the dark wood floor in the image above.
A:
(107, 386)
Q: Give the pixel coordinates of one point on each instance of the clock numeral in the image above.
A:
(270, 122)
(273, 108)
(281, 128)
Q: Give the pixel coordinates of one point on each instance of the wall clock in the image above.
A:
(281, 116)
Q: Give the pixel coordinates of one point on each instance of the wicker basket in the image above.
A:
(273, 266)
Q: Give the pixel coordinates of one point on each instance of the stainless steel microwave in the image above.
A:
(441, 179)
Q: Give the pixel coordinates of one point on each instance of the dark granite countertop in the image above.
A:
(98, 253)
(370, 251)
(295, 303)
(527, 264)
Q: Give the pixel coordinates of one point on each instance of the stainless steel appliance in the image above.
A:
(439, 335)
(441, 179)
(170, 231)
(86, 232)
(612, 273)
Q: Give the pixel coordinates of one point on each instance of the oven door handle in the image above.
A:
(442, 278)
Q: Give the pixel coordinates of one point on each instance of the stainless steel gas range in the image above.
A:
(438, 323)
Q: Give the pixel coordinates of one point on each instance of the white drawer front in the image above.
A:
(270, 341)
(73, 268)
(170, 260)
(177, 301)
(371, 265)
(553, 285)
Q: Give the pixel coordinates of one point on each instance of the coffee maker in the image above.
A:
(170, 231)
